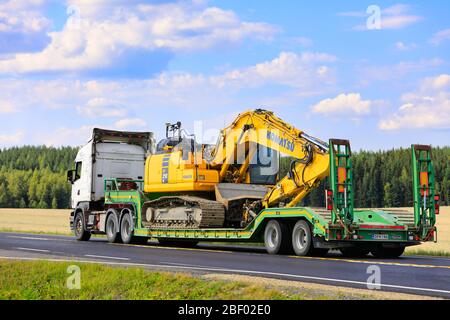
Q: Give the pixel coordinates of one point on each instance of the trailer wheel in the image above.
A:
(277, 237)
(389, 253)
(111, 230)
(302, 240)
(79, 230)
(126, 229)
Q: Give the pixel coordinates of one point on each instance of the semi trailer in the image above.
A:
(181, 192)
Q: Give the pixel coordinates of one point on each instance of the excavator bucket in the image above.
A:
(227, 192)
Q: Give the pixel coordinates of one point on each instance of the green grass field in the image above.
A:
(47, 280)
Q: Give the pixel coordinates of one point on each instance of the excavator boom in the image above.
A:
(262, 128)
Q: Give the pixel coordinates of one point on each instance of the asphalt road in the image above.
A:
(410, 274)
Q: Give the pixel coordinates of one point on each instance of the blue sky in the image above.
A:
(379, 77)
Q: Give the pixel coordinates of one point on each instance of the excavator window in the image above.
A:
(264, 168)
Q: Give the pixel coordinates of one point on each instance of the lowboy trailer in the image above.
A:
(123, 214)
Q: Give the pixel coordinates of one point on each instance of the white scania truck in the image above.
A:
(109, 154)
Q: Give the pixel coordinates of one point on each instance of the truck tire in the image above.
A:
(127, 233)
(388, 253)
(111, 230)
(302, 239)
(79, 228)
(354, 252)
(277, 237)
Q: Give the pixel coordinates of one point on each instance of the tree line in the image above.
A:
(35, 177)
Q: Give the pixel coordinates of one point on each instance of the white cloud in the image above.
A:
(101, 108)
(22, 16)
(289, 69)
(21, 4)
(7, 140)
(428, 107)
(401, 46)
(304, 41)
(97, 33)
(393, 17)
(296, 76)
(130, 123)
(437, 83)
(351, 103)
(7, 107)
(440, 37)
(64, 136)
(396, 71)
(398, 22)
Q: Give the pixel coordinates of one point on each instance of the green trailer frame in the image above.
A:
(342, 226)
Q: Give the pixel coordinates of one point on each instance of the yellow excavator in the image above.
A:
(195, 185)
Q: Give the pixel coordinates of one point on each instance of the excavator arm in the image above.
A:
(260, 127)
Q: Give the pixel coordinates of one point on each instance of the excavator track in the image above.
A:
(184, 212)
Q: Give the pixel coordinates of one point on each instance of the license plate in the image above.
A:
(380, 237)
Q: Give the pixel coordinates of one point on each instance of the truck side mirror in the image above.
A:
(71, 176)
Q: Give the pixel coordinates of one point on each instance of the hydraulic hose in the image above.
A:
(306, 161)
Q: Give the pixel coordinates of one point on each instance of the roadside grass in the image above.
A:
(36, 232)
(47, 280)
(43, 280)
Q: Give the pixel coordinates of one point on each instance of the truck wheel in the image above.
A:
(302, 239)
(126, 232)
(389, 253)
(111, 233)
(354, 252)
(79, 230)
(277, 237)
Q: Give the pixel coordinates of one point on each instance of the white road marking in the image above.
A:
(105, 257)
(181, 264)
(30, 238)
(238, 271)
(31, 249)
(37, 238)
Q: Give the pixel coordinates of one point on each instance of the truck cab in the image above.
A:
(109, 154)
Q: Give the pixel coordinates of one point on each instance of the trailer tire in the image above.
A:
(111, 229)
(79, 228)
(126, 229)
(302, 241)
(388, 253)
(277, 237)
